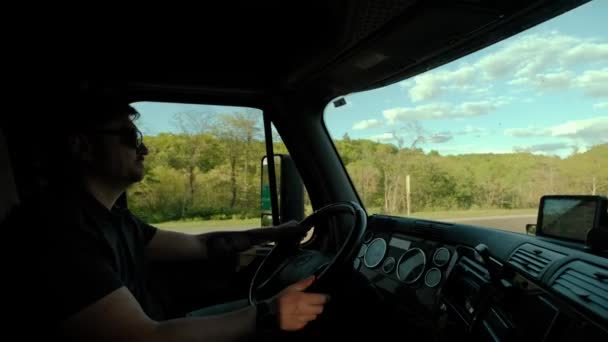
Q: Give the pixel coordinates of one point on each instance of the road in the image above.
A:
(513, 223)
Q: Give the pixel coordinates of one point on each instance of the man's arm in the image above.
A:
(167, 245)
(119, 317)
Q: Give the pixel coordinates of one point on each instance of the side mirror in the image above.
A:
(289, 194)
(531, 229)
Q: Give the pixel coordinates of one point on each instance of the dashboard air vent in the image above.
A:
(533, 260)
(585, 284)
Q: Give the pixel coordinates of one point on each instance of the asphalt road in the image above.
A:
(513, 223)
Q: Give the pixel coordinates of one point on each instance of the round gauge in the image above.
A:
(432, 277)
(441, 256)
(368, 237)
(357, 263)
(362, 251)
(375, 253)
(411, 265)
(389, 265)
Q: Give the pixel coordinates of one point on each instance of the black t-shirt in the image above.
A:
(77, 252)
(65, 251)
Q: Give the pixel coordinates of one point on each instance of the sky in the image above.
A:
(543, 91)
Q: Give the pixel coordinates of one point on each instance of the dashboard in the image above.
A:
(465, 282)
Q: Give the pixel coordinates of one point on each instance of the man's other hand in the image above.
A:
(296, 308)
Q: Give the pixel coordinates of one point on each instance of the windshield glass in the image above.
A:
(481, 139)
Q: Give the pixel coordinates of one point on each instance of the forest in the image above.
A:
(213, 172)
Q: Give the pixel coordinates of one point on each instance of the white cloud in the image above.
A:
(426, 88)
(472, 149)
(382, 137)
(477, 108)
(519, 81)
(407, 83)
(586, 52)
(430, 85)
(430, 111)
(526, 132)
(594, 82)
(443, 110)
(533, 54)
(544, 61)
(421, 137)
(549, 81)
(365, 124)
(544, 148)
(600, 105)
(594, 127)
(439, 138)
(470, 130)
(588, 131)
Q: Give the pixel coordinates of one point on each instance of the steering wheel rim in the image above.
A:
(343, 256)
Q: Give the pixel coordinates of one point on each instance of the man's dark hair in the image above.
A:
(86, 114)
(92, 112)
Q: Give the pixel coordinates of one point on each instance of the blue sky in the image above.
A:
(544, 90)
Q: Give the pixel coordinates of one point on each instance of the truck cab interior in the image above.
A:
(389, 275)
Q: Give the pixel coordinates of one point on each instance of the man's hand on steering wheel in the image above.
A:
(288, 231)
(296, 308)
(291, 230)
(283, 268)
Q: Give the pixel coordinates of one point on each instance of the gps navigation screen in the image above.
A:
(568, 218)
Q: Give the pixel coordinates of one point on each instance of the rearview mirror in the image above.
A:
(289, 191)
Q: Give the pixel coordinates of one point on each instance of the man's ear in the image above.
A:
(80, 148)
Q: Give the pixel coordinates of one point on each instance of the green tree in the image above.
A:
(238, 132)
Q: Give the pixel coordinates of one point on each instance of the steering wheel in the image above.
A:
(287, 263)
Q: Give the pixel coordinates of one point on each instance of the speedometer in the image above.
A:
(411, 265)
(375, 253)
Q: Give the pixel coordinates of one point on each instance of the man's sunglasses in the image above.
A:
(129, 136)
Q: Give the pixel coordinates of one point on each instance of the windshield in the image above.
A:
(481, 139)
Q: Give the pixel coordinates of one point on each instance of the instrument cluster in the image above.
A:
(409, 260)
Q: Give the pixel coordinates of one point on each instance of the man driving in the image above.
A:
(90, 259)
